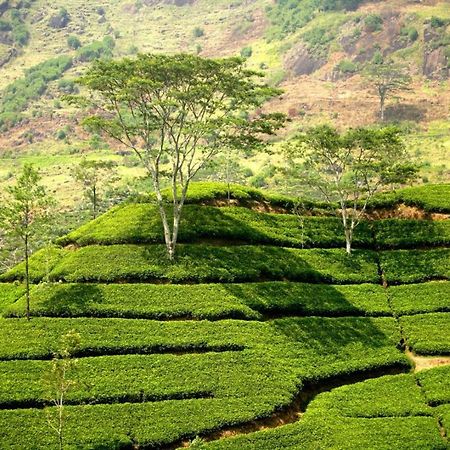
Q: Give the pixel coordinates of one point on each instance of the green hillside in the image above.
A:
(316, 50)
(262, 334)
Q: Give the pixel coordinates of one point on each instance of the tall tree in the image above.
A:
(350, 168)
(387, 78)
(23, 212)
(93, 175)
(183, 108)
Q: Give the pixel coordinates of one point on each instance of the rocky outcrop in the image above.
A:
(299, 61)
(435, 58)
(10, 54)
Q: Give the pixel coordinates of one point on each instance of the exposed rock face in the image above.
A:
(435, 61)
(4, 5)
(299, 61)
(12, 53)
(435, 64)
(59, 21)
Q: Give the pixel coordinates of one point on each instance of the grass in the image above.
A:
(250, 301)
(420, 298)
(427, 334)
(415, 266)
(436, 385)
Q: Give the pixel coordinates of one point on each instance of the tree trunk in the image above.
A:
(228, 181)
(348, 241)
(27, 277)
(382, 102)
(94, 203)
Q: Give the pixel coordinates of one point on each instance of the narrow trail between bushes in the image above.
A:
(427, 362)
(293, 412)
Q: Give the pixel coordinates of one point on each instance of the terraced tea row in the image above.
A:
(241, 386)
(202, 263)
(383, 413)
(140, 224)
(251, 301)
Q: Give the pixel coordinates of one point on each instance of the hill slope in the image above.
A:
(233, 338)
(314, 49)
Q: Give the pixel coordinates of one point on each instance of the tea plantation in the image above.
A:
(263, 334)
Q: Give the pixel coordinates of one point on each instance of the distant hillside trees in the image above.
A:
(93, 176)
(387, 78)
(350, 168)
(287, 16)
(24, 211)
(177, 113)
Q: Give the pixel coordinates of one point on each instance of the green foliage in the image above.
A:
(376, 414)
(318, 40)
(420, 298)
(96, 50)
(373, 22)
(287, 16)
(346, 66)
(246, 52)
(17, 96)
(140, 223)
(410, 32)
(427, 334)
(198, 32)
(395, 233)
(342, 432)
(251, 301)
(209, 301)
(415, 266)
(73, 42)
(210, 264)
(436, 385)
(388, 396)
(431, 198)
(41, 263)
(9, 294)
(437, 22)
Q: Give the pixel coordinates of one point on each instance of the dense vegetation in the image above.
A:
(18, 95)
(161, 362)
(287, 16)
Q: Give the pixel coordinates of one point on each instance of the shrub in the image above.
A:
(437, 22)
(198, 32)
(415, 266)
(373, 22)
(420, 298)
(346, 66)
(209, 264)
(436, 385)
(246, 52)
(73, 42)
(427, 334)
(140, 223)
(251, 301)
